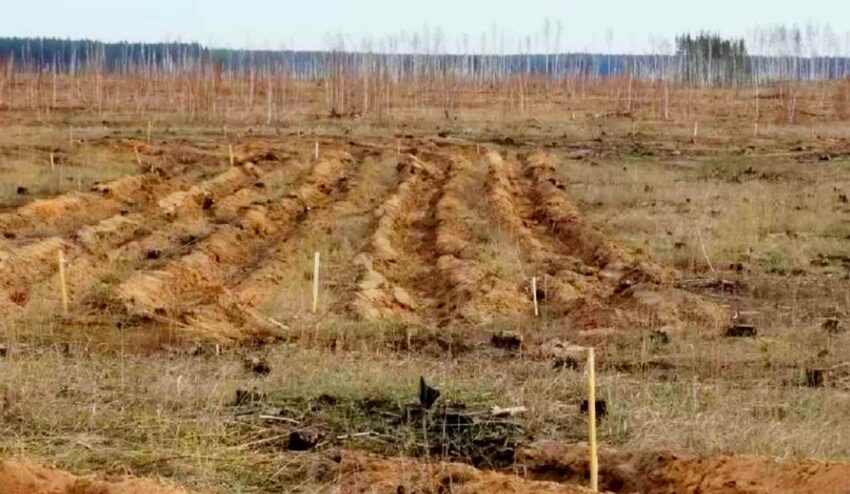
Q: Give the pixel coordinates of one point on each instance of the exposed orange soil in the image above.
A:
(193, 289)
(363, 473)
(206, 250)
(25, 478)
(673, 473)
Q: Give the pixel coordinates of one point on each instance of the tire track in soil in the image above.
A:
(194, 290)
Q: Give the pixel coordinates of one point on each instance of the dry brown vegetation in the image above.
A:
(190, 352)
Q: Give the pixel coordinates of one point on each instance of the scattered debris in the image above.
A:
(832, 325)
(741, 331)
(814, 378)
(508, 340)
(427, 395)
(498, 411)
(258, 366)
(304, 439)
(601, 408)
(659, 337)
(248, 396)
(565, 355)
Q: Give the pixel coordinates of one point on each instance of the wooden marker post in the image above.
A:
(696, 131)
(316, 151)
(316, 283)
(52, 162)
(534, 295)
(62, 286)
(591, 418)
(232, 158)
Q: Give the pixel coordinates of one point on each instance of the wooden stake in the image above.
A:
(52, 162)
(316, 283)
(232, 158)
(591, 418)
(316, 152)
(756, 130)
(534, 295)
(138, 156)
(62, 286)
(696, 131)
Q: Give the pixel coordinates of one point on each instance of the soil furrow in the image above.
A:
(188, 289)
(110, 249)
(379, 295)
(478, 290)
(413, 270)
(67, 212)
(615, 290)
(281, 284)
(562, 278)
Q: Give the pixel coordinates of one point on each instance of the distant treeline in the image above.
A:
(702, 60)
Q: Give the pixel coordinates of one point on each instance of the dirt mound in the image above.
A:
(187, 202)
(377, 296)
(456, 240)
(478, 293)
(426, 262)
(18, 265)
(669, 472)
(193, 289)
(433, 256)
(362, 473)
(25, 478)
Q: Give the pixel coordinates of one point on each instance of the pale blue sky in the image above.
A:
(634, 25)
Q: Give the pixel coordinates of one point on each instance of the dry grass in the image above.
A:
(767, 213)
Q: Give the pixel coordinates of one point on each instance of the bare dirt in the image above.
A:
(193, 248)
(18, 477)
(668, 472)
(207, 248)
(362, 473)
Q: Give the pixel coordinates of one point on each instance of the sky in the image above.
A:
(621, 26)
